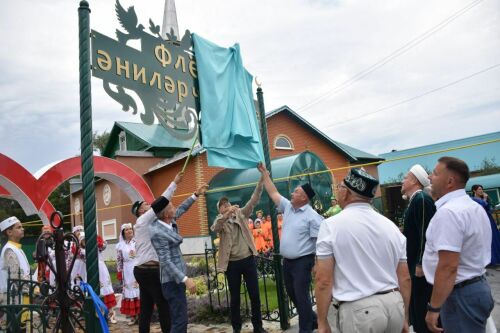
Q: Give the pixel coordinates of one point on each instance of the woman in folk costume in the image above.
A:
(43, 272)
(77, 229)
(125, 260)
(79, 271)
(105, 281)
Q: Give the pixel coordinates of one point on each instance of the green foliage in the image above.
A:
(395, 180)
(488, 166)
(100, 140)
(201, 286)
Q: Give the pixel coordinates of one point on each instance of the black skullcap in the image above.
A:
(361, 182)
(135, 207)
(309, 190)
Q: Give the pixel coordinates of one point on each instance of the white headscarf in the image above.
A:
(77, 228)
(124, 226)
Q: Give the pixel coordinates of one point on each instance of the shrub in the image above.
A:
(199, 311)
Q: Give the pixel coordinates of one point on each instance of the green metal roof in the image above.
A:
(154, 135)
(151, 137)
(473, 150)
(353, 154)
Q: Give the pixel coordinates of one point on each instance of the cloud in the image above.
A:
(300, 50)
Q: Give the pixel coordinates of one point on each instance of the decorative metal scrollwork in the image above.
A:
(68, 300)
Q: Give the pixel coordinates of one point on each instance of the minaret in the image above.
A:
(170, 19)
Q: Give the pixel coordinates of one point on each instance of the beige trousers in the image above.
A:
(373, 314)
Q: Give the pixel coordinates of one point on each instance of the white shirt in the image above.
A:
(459, 225)
(367, 248)
(144, 249)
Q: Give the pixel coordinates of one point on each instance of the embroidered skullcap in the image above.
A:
(309, 190)
(361, 182)
(8, 222)
(135, 207)
(419, 172)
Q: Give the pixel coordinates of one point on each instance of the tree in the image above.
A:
(488, 166)
(100, 140)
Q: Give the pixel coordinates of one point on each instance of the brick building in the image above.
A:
(155, 155)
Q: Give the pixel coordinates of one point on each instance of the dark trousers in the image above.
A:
(175, 293)
(247, 268)
(151, 294)
(297, 276)
(421, 293)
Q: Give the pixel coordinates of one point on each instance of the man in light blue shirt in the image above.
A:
(297, 246)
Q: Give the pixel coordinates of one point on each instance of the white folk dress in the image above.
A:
(126, 254)
(104, 278)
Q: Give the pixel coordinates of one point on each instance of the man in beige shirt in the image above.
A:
(237, 256)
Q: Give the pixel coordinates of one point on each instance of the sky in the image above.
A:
(376, 75)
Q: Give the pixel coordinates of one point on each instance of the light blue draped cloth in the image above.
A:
(229, 126)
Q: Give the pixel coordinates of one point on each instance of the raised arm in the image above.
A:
(254, 200)
(218, 224)
(271, 189)
(186, 204)
(160, 203)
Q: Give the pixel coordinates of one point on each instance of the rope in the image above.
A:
(235, 187)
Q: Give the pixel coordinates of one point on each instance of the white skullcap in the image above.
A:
(419, 172)
(8, 222)
(77, 228)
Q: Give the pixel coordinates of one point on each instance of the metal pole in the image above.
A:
(280, 288)
(89, 205)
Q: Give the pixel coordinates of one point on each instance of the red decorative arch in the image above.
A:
(32, 194)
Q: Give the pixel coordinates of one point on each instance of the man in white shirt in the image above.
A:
(362, 263)
(457, 251)
(147, 269)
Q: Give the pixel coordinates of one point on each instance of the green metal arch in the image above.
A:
(238, 185)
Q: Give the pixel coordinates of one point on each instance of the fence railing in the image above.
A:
(218, 291)
(24, 309)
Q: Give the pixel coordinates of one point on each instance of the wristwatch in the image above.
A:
(432, 309)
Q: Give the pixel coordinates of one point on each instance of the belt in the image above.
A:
(306, 256)
(467, 282)
(379, 293)
(144, 266)
(387, 291)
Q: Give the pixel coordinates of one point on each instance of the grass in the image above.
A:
(270, 290)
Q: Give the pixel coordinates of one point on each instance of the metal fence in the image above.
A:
(218, 291)
(24, 309)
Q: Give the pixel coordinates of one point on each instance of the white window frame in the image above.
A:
(106, 223)
(283, 136)
(122, 141)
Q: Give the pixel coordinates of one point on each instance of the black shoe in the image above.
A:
(259, 330)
